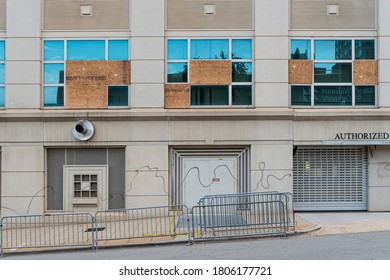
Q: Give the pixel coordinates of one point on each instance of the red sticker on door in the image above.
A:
(215, 180)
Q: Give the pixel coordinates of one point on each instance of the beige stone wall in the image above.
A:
(189, 14)
(87, 81)
(365, 72)
(312, 14)
(65, 15)
(300, 72)
(210, 72)
(2, 14)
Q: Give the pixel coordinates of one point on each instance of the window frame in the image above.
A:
(230, 86)
(314, 84)
(2, 85)
(65, 56)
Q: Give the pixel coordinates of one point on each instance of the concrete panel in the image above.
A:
(23, 96)
(383, 95)
(380, 154)
(146, 201)
(210, 72)
(378, 198)
(271, 48)
(271, 17)
(231, 14)
(312, 14)
(106, 14)
(147, 71)
(271, 71)
(274, 180)
(147, 183)
(147, 48)
(379, 173)
(383, 50)
(300, 72)
(177, 96)
(23, 184)
(384, 74)
(22, 158)
(2, 14)
(383, 17)
(271, 157)
(12, 206)
(147, 158)
(24, 18)
(26, 72)
(365, 72)
(147, 95)
(278, 92)
(23, 49)
(21, 132)
(147, 17)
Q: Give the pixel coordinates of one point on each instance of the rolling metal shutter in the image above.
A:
(330, 178)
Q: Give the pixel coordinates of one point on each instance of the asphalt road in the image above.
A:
(356, 246)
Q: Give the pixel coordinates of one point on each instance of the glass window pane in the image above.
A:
(54, 73)
(118, 95)
(242, 95)
(177, 72)
(364, 49)
(54, 50)
(209, 49)
(242, 49)
(53, 96)
(210, 95)
(2, 74)
(333, 72)
(118, 50)
(333, 95)
(300, 49)
(2, 50)
(332, 49)
(86, 50)
(242, 72)
(364, 95)
(2, 96)
(301, 95)
(177, 49)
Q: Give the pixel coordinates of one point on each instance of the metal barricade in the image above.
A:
(239, 220)
(243, 198)
(156, 224)
(44, 231)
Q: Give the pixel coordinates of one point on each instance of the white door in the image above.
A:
(208, 176)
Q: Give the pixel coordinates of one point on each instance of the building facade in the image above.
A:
(129, 103)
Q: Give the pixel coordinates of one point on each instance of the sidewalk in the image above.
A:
(324, 223)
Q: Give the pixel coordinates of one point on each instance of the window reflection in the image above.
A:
(332, 49)
(209, 49)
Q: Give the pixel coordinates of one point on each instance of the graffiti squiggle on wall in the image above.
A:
(267, 185)
(148, 168)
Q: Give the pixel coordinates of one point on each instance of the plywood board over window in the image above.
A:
(210, 72)
(177, 96)
(300, 72)
(87, 82)
(365, 72)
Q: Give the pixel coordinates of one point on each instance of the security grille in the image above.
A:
(330, 178)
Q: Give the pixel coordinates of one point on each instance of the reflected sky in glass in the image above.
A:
(1, 96)
(54, 50)
(242, 49)
(86, 50)
(300, 49)
(2, 50)
(209, 49)
(53, 96)
(2, 73)
(54, 73)
(118, 50)
(332, 49)
(177, 49)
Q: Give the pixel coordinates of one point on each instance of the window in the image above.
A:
(57, 52)
(333, 73)
(238, 51)
(118, 95)
(2, 72)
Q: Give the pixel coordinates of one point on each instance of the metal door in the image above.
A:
(330, 178)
